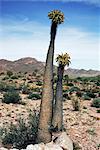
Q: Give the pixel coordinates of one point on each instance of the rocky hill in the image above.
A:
(29, 65)
(82, 72)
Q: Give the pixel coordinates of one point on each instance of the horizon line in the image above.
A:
(44, 62)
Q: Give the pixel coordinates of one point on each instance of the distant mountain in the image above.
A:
(27, 64)
(82, 72)
(30, 65)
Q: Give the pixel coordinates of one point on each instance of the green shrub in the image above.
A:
(37, 90)
(6, 87)
(70, 84)
(21, 135)
(98, 111)
(11, 97)
(25, 90)
(2, 87)
(66, 79)
(10, 88)
(34, 96)
(5, 78)
(9, 73)
(74, 89)
(90, 94)
(98, 83)
(14, 77)
(86, 97)
(39, 83)
(96, 103)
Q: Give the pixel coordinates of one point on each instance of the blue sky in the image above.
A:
(25, 28)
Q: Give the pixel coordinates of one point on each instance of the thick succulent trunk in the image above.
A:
(57, 121)
(47, 95)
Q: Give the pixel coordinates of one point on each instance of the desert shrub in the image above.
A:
(14, 77)
(90, 94)
(9, 87)
(2, 73)
(6, 87)
(84, 107)
(11, 97)
(98, 83)
(79, 78)
(66, 79)
(25, 90)
(95, 90)
(22, 134)
(65, 90)
(79, 93)
(65, 96)
(36, 90)
(34, 96)
(70, 84)
(25, 72)
(96, 103)
(2, 86)
(39, 83)
(74, 89)
(91, 131)
(34, 73)
(86, 97)
(24, 79)
(30, 81)
(76, 104)
(98, 111)
(5, 78)
(9, 73)
(76, 146)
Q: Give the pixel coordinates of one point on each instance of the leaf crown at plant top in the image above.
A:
(63, 59)
(57, 16)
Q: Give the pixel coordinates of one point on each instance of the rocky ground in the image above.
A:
(83, 126)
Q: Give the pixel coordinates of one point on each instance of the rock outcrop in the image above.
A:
(60, 141)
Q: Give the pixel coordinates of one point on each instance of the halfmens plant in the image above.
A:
(45, 119)
(57, 121)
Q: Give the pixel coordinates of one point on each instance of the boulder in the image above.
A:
(2, 148)
(64, 141)
(52, 146)
(36, 147)
(14, 149)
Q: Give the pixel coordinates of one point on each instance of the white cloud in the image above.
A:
(32, 39)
